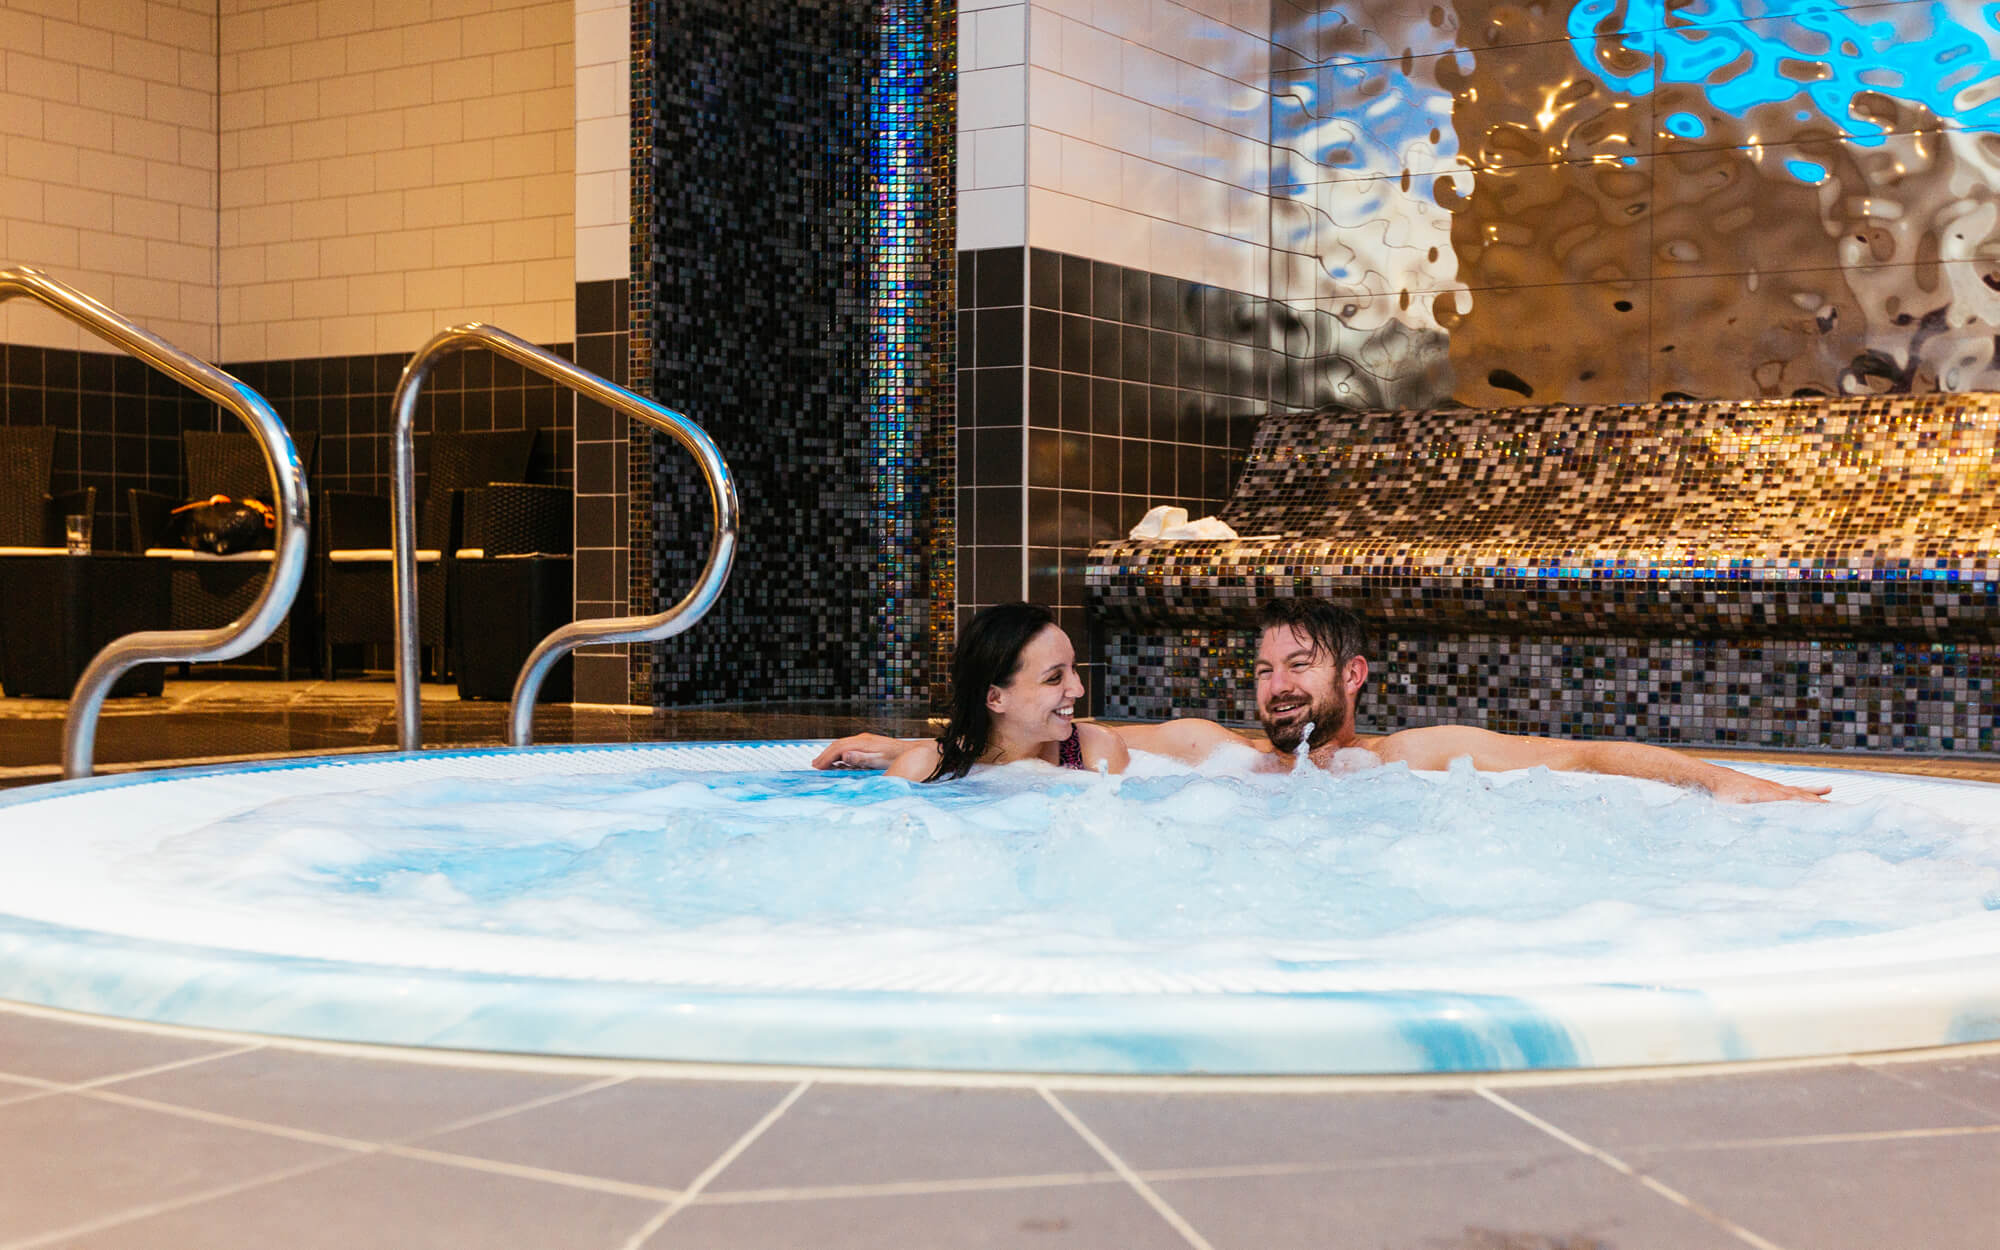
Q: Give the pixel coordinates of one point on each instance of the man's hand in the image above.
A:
(863, 751)
(1735, 787)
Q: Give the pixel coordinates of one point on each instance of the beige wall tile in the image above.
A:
(464, 245)
(278, 179)
(139, 218)
(435, 288)
(406, 251)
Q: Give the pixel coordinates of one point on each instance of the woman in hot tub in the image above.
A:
(1013, 697)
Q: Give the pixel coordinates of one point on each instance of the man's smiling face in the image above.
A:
(1299, 684)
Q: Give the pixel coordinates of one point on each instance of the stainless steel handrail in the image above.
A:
(288, 560)
(682, 616)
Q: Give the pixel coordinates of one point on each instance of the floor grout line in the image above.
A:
(1908, 1083)
(903, 1189)
(1827, 1139)
(1616, 1164)
(165, 1205)
(713, 1170)
(44, 1088)
(1160, 1205)
(312, 1136)
(529, 1172)
(486, 1117)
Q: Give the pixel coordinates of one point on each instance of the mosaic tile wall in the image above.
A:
(1131, 390)
(1608, 202)
(1792, 545)
(1881, 696)
(120, 421)
(787, 296)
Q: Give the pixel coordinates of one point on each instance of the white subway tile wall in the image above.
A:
(383, 176)
(108, 163)
(1145, 124)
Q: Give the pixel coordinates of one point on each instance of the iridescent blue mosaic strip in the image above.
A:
(797, 295)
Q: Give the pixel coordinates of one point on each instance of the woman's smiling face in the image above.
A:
(1038, 702)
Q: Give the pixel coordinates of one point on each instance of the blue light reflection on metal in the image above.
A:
(1739, 63)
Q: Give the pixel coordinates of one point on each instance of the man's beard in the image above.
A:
(1327, 719)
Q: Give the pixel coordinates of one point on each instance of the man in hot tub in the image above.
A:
(1310, 670)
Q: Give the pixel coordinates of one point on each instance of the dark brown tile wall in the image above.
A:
(1089, 393)
(603, 537)
(120, 422)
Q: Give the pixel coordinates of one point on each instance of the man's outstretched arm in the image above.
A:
(1436, 746)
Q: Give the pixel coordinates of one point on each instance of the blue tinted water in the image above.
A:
(1161, 870)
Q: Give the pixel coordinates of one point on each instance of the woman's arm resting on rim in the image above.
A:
(1436, 746)
(865, 751)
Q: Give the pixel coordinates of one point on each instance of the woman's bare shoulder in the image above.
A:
(917, 763)
(1101, 745)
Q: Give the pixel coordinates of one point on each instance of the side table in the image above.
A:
(58, 610)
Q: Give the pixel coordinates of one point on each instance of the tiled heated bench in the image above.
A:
(1796, 573)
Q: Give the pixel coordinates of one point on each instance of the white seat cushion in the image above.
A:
(382, 555)
(209, 557)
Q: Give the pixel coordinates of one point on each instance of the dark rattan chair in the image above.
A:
(511, 587)
(31, 518)
(356, 580)
(57, 610)
(211, 590)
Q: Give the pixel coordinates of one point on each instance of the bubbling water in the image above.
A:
(1165, 869)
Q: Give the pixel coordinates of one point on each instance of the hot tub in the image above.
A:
(724, 903)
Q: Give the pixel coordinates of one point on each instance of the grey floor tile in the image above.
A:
(1207, 1130)
(59, 1050)
(365, 1098)
(66, 1159)
(1695, 1109)
(387, 1203)
(1924, 1193)
(1087, 1217)
(645, 1132)
(1974, 1080)
(858, 1135)
(1536, 1202)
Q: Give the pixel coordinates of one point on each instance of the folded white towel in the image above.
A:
(1166, 522)
(1159, 519)
(1207, 527)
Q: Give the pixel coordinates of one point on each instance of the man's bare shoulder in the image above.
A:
(1433, 746)
(1189, 739)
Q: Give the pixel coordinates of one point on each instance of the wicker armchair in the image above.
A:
(356, 579)
(31, 519)
(211, 590)
(55, 612)
(511, 585)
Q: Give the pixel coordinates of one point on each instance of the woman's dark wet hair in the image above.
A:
(988, 654)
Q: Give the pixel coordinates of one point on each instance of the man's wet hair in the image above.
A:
(1333, 630)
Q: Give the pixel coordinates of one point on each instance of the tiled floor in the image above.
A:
(134, 1137)
(128, 1136)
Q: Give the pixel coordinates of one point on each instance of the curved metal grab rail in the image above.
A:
(288, 560)
(682, 616)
